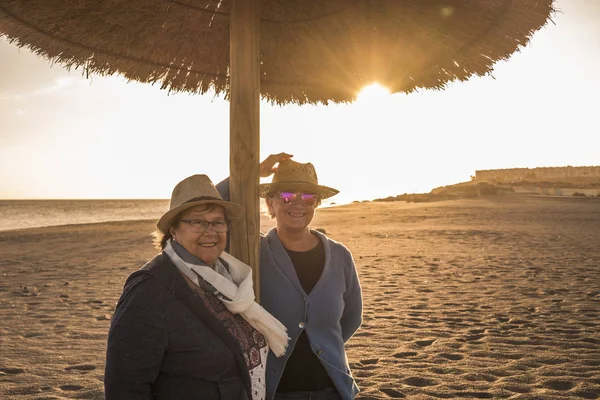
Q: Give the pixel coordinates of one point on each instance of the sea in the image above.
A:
(20, 214)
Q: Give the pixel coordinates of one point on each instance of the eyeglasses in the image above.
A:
(307, 198)
(201, 226)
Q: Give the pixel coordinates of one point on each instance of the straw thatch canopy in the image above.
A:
(311, 50)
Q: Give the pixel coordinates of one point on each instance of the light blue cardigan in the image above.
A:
(330, 314)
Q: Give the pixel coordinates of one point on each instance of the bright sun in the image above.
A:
(372, 93)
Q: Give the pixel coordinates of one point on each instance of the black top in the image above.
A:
(304, 371)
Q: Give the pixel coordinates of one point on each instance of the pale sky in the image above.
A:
(65, 136)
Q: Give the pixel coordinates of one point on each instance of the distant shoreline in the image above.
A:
(474, 189)
(69, 227)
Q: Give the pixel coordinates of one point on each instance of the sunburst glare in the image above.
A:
(373, 92)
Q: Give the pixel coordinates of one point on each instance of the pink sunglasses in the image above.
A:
(307, 198)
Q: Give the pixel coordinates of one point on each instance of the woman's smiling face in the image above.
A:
(207, 244)
(294, 215)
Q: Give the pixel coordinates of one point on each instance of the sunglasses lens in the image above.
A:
(287, 197)
(309, 198)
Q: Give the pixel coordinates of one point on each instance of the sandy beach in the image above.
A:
(464, 299)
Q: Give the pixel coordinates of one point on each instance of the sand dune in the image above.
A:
(471, 299)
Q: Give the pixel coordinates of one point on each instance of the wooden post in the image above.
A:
(244, 86)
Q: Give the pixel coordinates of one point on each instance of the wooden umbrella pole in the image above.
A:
(244, 81)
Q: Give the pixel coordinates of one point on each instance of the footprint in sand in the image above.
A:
(475, 395)
(419, 382)
(590, 340)
(393, 393)
(454, 357)
(12, 371)
(426, 290)
(385, 317)
(404, 354)
(425, 342)
(71, 388)
(359, 334)
(81, 367)
(33, 334)
(474, 336)
(516, 388)
(369, 361)
(551, 360)
(559, 384)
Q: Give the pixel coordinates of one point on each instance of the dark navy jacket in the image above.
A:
(163, 343)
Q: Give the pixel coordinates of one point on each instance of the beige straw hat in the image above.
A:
(193, 191)
(294, 176)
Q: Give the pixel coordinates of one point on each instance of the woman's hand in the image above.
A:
(267, 167)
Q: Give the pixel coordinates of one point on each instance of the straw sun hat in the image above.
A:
(193, 191)
(294, 176)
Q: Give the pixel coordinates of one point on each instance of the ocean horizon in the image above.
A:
(22, 214)
(37, 213)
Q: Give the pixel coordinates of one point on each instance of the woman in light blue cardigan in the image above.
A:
(309, 283)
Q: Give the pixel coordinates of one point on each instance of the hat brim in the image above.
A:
(323, 192)
(232, 211)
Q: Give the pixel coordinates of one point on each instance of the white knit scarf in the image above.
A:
(240, 292)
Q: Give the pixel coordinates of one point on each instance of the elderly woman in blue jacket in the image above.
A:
(309, 283)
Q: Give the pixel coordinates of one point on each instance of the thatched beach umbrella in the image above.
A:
(287, 51)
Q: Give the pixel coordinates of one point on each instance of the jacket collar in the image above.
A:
(284, 263)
